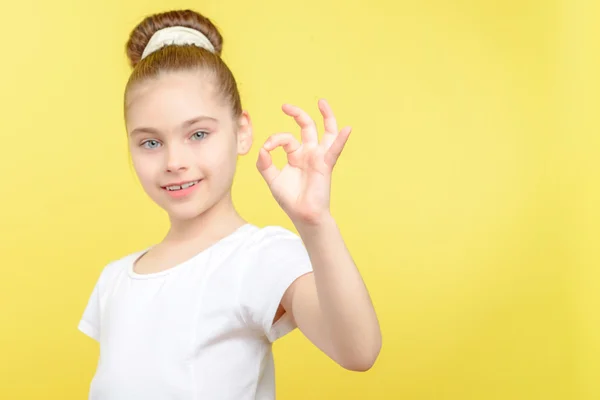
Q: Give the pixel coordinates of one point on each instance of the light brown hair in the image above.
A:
(174, 58)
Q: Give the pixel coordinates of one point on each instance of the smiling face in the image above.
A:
(184, 142)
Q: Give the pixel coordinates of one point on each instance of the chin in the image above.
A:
(184, 212)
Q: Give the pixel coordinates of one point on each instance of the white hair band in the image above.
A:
(177, 35)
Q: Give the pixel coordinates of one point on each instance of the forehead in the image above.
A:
(171, 98)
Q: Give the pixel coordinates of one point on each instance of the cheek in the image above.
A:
(221, 159)
(214, 156)
(144, 168)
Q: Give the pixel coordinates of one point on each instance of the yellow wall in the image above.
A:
(466, 192)
(580, 151)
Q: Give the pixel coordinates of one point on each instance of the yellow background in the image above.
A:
(469, 192)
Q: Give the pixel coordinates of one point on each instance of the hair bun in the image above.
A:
(143, 32)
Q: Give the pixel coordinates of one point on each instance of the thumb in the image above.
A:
(265, 166)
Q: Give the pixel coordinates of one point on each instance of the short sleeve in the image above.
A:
(90, 321)
(277, 260)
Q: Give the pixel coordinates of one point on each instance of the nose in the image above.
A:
(177, 158)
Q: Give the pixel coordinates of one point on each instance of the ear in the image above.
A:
(244, 134)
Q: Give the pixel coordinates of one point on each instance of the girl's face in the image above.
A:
(184, 142)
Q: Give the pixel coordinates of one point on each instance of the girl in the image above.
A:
(195, 316)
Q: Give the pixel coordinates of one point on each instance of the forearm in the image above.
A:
(346, 308)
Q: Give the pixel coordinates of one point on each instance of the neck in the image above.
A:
(218, 221)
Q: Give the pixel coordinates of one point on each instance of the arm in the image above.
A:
(332, 306)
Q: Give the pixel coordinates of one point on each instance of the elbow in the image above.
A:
(359, 366)
(363, 361)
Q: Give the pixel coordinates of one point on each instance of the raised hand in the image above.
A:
(303, 186)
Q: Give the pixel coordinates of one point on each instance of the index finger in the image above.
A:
(308, 129)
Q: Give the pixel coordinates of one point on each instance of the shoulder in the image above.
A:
(269, 249)
(273, 240)
(118, 266)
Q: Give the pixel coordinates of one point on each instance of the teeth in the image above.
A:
(184, 186)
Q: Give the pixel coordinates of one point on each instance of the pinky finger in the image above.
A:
(337, 146)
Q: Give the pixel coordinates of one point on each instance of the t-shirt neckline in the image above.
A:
(136, 256)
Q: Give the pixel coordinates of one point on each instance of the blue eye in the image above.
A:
(199, 135)
(151, 144)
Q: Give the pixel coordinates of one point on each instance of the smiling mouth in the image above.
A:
(174, 188)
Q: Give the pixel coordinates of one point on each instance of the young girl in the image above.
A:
(195, 316)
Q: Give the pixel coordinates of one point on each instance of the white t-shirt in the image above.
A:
(202, 330)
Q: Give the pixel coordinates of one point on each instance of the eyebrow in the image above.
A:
(184, 125)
